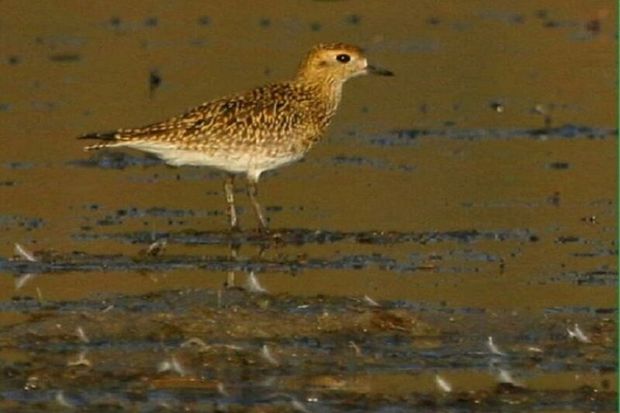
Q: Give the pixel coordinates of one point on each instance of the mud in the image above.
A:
(450, 246)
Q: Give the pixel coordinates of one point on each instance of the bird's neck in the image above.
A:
(328, 91)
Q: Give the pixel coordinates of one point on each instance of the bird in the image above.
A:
(254, 131)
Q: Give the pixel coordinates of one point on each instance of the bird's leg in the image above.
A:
(229, 189)
(234, 254)
(253, 193)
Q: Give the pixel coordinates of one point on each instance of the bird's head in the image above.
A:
(336, 62)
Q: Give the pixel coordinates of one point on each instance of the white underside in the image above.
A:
(234, 162)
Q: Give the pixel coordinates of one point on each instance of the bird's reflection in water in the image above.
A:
(252, 283)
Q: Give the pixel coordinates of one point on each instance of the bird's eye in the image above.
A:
(343, 58)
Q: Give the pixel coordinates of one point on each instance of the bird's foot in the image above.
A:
(272, 237)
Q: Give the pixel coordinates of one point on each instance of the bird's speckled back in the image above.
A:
(279, 118)
(287, 116)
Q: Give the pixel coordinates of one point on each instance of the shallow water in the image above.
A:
(471, 196)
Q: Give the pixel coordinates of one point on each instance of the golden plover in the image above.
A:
(255, 131)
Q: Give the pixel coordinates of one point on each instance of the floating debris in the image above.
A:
(22, 280)
(504, 376)
(252, 284)
(24, 253)
(371, 302)
(155, 249)
(267, 356)
(443, 384)
(62, 400)
(232, 347)
(546, 112)
(81, 361)
(108, 309)
(498, 107)
(172, 365)
(82, 335)
(591, 219)
(577, 334)
(356, 348)
(298, 406)
(196, 342)
(222, 390)
(493, 348)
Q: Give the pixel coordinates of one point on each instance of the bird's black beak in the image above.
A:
(372, 70)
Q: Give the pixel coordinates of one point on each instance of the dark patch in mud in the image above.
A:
(306, 236)
(116, 160)
(16, 221)
(13, 60)
(548, 22)
(151, 21)
(469, 255)
(605, 277)
(115, 22)
(567, 239)
(353, 19)
(57, 41)
(503, 17)
(52, 262)
(558, 165)
(155, 81)
(316, 26)
(17, 165)
(44, 106)
(406, 136)
(374, 163)
(204, 20)
(598, 247)
(173, 216)
(356, 160)
(65, 57)
(597, 252)
(452, 261)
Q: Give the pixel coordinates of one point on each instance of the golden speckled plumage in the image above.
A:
(258, 130)
(274, 118)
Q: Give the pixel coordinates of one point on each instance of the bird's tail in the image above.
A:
(106, 138)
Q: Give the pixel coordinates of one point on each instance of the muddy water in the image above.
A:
(471, 196)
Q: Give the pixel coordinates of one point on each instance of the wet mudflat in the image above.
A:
(450, 246)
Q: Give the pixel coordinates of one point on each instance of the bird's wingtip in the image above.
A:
(104, 136)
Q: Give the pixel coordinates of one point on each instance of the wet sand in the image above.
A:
(474, 195)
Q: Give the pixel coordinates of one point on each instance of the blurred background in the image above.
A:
(474, 193)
